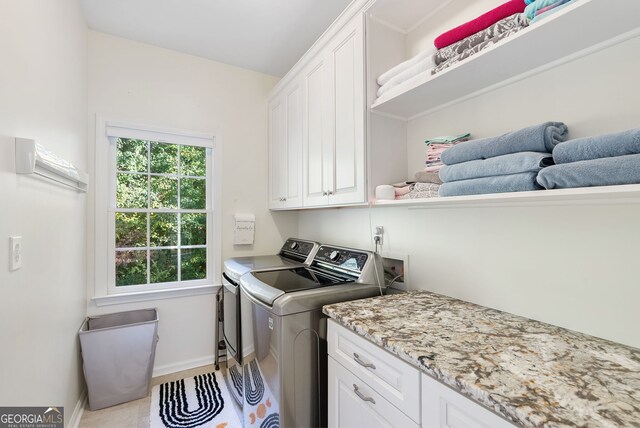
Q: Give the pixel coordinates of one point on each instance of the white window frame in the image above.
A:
(106, 292)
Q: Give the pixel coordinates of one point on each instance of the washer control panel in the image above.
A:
(341, 257)
(297, 248)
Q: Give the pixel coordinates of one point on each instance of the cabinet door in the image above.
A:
(442, 407)
(285, 149)
(353, 404)
(346, 59)
(315, 133)
(277, 153)
(293, 127)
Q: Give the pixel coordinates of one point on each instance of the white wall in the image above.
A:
(139, 83)
(43, 95)
(573, 266)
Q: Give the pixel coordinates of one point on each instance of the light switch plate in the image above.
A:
(15, 252)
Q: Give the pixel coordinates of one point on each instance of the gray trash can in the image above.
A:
(117, 352)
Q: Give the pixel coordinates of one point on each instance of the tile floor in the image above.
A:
(134, 414)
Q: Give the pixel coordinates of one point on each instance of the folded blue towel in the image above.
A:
(601, 146)
(513, 163)
(594, 172)
(537, 138)
(496, 184)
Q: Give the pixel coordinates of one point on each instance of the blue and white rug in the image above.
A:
(201, 401)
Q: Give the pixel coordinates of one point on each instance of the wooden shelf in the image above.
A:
(578, 30)
(585, 195)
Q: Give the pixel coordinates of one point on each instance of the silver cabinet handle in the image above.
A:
(324, 193)
(330, 192)
(361, 396)
(284, 199)
(362, 363)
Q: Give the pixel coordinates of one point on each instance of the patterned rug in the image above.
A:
(201, 401)
(260, 405)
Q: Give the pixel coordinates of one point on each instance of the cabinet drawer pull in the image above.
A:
(362, 363)
(361, 396)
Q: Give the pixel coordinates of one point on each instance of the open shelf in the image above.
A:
(579, 29)
(584, 195)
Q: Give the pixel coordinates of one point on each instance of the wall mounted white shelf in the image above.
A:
(32, 158)
(578, 30)
(584, 195)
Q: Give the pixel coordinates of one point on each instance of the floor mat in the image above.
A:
(201, 401)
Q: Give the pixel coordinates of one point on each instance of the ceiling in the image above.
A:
(268, 36)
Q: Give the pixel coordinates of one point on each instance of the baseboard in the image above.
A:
(182, 365)
(76, 416)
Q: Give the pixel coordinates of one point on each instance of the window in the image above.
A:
(159, 211)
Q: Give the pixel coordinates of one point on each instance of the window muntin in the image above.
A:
(161, 214)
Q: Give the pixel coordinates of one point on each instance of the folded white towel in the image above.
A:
(420, 67)
(385, 77)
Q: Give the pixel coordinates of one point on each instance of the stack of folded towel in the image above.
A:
(406, 70)
(466, 40)
(506, 163)
(420, 190)
(540, 9)
(604, 160)
(437, 146)
(471, 37)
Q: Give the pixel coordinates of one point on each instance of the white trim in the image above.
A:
(76, 416)
(143, 296)
(183, 365)
(146, 132)
(101, 188)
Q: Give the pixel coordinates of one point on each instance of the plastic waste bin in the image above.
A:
(118, 351)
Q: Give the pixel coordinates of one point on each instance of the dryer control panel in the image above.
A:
(344, 258)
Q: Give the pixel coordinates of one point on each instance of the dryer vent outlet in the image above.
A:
(395, 271)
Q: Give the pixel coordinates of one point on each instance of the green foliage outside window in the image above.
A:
(160, 180)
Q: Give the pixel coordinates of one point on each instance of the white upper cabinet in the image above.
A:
(333, 121)
(285, 148)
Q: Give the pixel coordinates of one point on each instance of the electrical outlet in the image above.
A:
(377, 235)
(15, 253)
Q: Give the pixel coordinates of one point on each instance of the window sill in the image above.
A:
(117, 299)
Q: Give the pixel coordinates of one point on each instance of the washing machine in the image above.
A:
(294, 253)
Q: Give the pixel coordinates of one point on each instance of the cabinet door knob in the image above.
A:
(284, 199)
(324, 193)
(362, 363)
(361, 395)
(330, 192)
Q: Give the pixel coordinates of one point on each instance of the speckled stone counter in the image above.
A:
(534, 374)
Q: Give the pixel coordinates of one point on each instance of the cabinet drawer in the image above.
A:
(443, 407)
(354, 404)
(397, 381)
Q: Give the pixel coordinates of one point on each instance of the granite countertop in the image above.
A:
(532, 373)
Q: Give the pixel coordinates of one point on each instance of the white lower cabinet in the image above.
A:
(370, 387)
(354, 404)
(442, 407)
